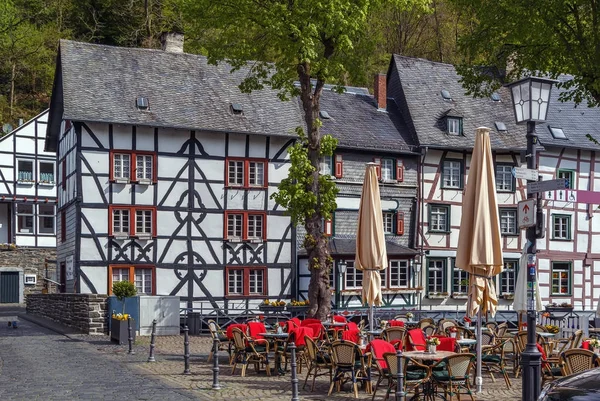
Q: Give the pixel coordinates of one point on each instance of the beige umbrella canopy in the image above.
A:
(371, 255)
(479, 242)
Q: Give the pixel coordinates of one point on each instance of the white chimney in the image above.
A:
(172, 42)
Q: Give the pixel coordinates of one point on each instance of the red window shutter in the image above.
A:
(339, 166)
(399, 171)
(328, 229)
(400, 223)
(377, 160)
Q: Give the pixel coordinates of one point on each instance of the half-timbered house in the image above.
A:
(165, 171)
(27, 209)
(369, 130)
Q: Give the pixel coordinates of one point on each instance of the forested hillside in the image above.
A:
(30, 30)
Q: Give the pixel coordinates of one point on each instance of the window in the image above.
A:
(388, 223)
(132, 221)
(25, 171)
(387, 169)
(439, 218)
(460, 280)
(46, 219)
(452, 174)
(47, 173)
(25, 216)
(508, 277)
(569, 176)
(561, 278)
(504, 178)
(247, 173)
(557, 133)
(561, 227)
(353, 276)
(246, 281)
(508, 221)
(398, 274)
(454, 126)
(246, 226)
(142, 276)
(134, 166)
(436, 275)
(326, 166)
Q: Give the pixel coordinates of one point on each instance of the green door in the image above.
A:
(9, 288)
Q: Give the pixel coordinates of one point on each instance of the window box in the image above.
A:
(559, 309)
(437, 295)
(121, 180)
(460, 295)
(256, 241)
(234, 240)
(144, 181)
(46, 184)
(297, 309)
(408, 290)
(144, 237)
(121, 236)
(508, 296)
(26, 182)
(270, 308)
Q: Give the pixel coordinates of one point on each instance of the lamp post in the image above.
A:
(530, 99)
(342, 266)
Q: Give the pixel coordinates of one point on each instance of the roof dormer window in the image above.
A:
(557, 133)
(500, 126)
(446, 95)
(454, 125)
(237, 108)
(141, 103)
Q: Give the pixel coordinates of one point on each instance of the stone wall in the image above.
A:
(85, 312)
(32, 261)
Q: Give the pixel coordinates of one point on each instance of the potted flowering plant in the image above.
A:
(432, 343)
(594, 344)
(383, 324)
(410, 316)
(452, 330)
(119, 325)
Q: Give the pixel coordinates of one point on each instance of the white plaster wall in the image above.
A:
(122, 138)
(213, 143)
(257, 146)
(237, 145)
(144, 138)
(144, 194)
(89, 189)
(100, 130)
(98, 276)
(89, 251)
(212, 169)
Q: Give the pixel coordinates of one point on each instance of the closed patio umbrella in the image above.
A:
(479, 242)
(371, 254)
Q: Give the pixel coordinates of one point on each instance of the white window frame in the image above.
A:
(47, 182)
(145, 174)
(508, 278)
(235, 178)
(256, 178)
(119, 222)
(143, 281)
(118, 272)
(119, 172)
(27, 216)
(400, 268)
(238, 226)
(459, 275)
(255, 227)
(236, 277)
(504, 178)
(27, 176)
(442, 215)
(256, 281)
(436, 269)
(453, 126)
(146, 217)
(388, 222)
(563, 222)
(41, 216)
(326, 165)
(353, 277)
(508, 221)
(452, 174)
(388, 169)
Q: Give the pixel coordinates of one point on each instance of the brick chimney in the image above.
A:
(172, 42)
(380, 91)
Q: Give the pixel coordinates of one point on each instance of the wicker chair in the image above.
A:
(488, 338)
(540, 329)
(425, 321)
(378, 349)
(429, 330)
(493, 359)
(246, 352)
(578, 360)
(501, 330)
(452, 374)
(413, 373)
(223, 342)
(347, 360)
(394, 335)
(444, 324)
(318, 360)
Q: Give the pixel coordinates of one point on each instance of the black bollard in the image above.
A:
(152, 339)
(130, 338)
(186, 350)
(292, 348)
(399, 378)
(215, 369)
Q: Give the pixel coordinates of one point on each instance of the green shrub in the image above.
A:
(122, 290)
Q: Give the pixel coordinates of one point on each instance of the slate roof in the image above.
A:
(576, 122)
(357, 124)
(100, 83)
(346, 246)
(422, 83)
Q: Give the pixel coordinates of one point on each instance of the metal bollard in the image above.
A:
(130, 338)
(399, 378)
(186, 350)
(292, 348)
(215, 369)
(152, 339)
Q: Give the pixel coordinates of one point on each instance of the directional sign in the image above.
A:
(526, 213)
(541, 186)
(525, 174)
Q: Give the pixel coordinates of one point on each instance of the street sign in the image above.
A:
(541, 186)
(563, 195)
(526, 213)
(525, 174)
(589, 197)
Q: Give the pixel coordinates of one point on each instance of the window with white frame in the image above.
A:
(246, 281)
(326, 165)
(121, 166)
(460, 280)
(25, 215)
(120, 274)
(508, 277)
(561, 227)
(256, 280)
(120, 219)
(46, 219)
(235, 281)
(508, 221)
(255, 226)
(143, 280)
(143, 222)
(388, 168)
(46, 173)
(257, 174)
(452, 174)
(354, 276)
(453, 126)
(439, 218)
(436, 275)
(25, 171)
(561, 278)
(142, 277)
(143, 170)
(398, 274)
(388, 222)
(234, 226)
(504, 178)
(235, 172)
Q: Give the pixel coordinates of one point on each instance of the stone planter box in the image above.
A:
(119, 331)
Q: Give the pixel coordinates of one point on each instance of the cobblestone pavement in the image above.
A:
(38, 364)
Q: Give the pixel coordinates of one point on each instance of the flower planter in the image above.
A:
(559, 309)
(119, 331)
(271, 308)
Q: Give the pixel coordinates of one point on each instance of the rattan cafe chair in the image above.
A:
(349, 365)
(246, 352)
(454, 374)
(222, 340)
(394, 335)
(578, 360)
(493, 359)
(318, 360)
(414, 374)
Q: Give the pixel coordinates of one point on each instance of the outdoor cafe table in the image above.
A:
(277, 337)
(428, 356)
(546, 335)
(466, 342)
(375, 333)
(334, 324)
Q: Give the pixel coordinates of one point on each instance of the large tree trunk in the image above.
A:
(319, 261)
(12, 88)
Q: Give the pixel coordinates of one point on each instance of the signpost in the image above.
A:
(525, 173)
(526, 213)
(550, 185)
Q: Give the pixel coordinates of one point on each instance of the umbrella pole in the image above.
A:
(479, 379)
(371, 318)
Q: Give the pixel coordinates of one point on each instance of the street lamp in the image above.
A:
(342, 266)
(530, 99)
